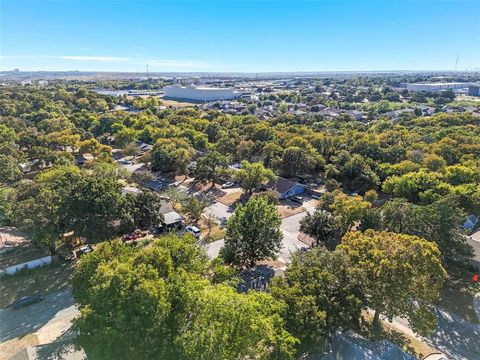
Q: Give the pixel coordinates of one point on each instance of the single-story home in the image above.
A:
(144, 147)
(474, 241)
(172, 220)
(285, 187)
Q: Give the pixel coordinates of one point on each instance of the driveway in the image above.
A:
(213, 248)
(222, 212)
(56, 311)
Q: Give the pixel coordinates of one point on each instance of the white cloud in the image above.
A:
(177, 63)
(118, 62)
(93, 58)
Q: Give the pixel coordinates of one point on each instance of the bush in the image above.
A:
(270, 196)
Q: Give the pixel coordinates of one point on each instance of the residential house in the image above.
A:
(144, 147)
(285, 187)
(471, 223)
(357, 115)
(172, 221)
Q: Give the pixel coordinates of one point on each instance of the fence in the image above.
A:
(32, 264)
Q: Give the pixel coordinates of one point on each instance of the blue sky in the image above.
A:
(245, 36)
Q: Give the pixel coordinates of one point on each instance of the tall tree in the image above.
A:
(144, 209)
(211, 166)
(323, 292)
(251, 176)
(194, 206)
(94, 204)
(227, 325)
(156, 303)
(404, 275)
(253, 233)
(322, 226)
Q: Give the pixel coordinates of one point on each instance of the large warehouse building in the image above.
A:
(197, 93)
(435, 87)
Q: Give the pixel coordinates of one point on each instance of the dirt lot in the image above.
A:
(39, 281)
(287, 210)
(10, 236)
(177, 104)
(231, 197)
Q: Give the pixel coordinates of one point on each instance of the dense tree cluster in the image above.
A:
(158, 302)
(397, 195)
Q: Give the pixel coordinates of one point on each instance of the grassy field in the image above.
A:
(39, 281)
(177, 104)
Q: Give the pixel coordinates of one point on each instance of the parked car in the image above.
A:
(85, 249)
(193, 230)
(126, 162)
(27, 300)
(296, 199)
(228, 184)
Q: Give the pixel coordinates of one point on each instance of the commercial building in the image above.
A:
(435, 87)
(197, 93)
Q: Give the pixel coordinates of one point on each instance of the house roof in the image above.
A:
(165, 207)
(280, 185)
(172, 217)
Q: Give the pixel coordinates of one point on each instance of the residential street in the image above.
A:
(457, 338)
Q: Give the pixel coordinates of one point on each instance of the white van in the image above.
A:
(193, 230)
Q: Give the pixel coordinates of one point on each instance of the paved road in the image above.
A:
(457, 338)
(56, 311)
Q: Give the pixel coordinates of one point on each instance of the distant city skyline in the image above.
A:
(233, 36)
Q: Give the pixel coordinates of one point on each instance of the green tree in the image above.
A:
(229, 325)
(171, 155)
(193, 207)
(323, 293)
(39, 206)
(125, 136)
(155, 302)
(144, 209)
(251, 176)
(322, 226)
(176, 196)
(93, 206)
(296, 160)
(404, 275)
(283, 108)
(133, 300)
(211, 166)
(253, 233)
(9, 170)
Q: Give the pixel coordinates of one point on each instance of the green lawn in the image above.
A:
(39, 281)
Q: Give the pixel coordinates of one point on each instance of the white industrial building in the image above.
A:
(434, 87)
(197, 93)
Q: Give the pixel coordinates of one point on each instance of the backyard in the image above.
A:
(39, 281)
